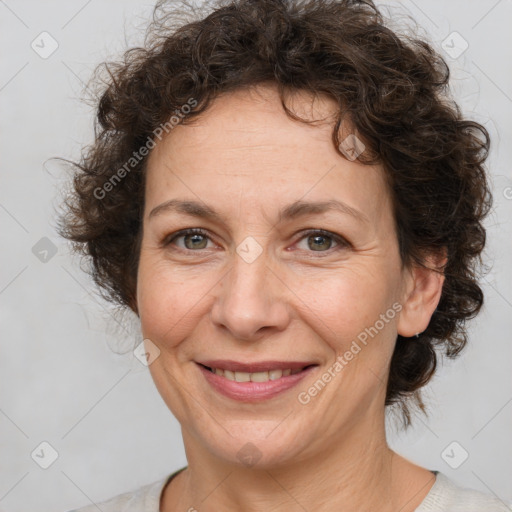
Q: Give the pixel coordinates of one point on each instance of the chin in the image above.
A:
(255, 443)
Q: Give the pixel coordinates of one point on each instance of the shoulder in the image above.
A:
(447, 496)
(143, 499)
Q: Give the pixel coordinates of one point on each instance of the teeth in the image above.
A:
(242, 377)
(228, 374)
(256, 376)
(275, 374)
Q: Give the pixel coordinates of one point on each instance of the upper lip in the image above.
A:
(257, 366)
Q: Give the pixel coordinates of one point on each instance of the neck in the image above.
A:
(357, 471)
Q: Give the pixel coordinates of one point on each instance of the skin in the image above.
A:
(295, 302)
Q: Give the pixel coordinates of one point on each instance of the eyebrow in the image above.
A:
(294, 210)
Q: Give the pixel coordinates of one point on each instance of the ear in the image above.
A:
(421, 295)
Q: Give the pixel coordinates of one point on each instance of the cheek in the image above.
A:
(168, 302)
(347, 301)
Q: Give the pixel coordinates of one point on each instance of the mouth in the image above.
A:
(262, 376)
(254, 381)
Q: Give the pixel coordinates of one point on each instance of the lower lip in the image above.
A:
(253, 391)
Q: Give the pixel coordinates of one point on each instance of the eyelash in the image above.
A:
(342, 242)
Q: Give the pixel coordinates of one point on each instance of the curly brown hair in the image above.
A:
(393, 90)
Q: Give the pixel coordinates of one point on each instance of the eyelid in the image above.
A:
(184, 232)
(340, 240)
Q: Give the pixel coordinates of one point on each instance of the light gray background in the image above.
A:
(60, 378)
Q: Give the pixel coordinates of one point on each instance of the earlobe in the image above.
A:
(422, 295)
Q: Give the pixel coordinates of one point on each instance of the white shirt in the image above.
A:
(444, 496)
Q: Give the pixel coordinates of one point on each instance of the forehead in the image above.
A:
(244, 148)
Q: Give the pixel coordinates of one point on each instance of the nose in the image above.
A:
(251, 302)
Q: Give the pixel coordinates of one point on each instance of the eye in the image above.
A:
(193, 239)
(319, 240)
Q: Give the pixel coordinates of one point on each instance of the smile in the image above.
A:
(253, 386)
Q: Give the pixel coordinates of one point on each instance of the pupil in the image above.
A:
(194, 238)
(325, 245)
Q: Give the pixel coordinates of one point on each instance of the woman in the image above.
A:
(284, 196)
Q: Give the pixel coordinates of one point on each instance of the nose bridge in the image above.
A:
(249, 300)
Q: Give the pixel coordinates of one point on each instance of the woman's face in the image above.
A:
(260, 284)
